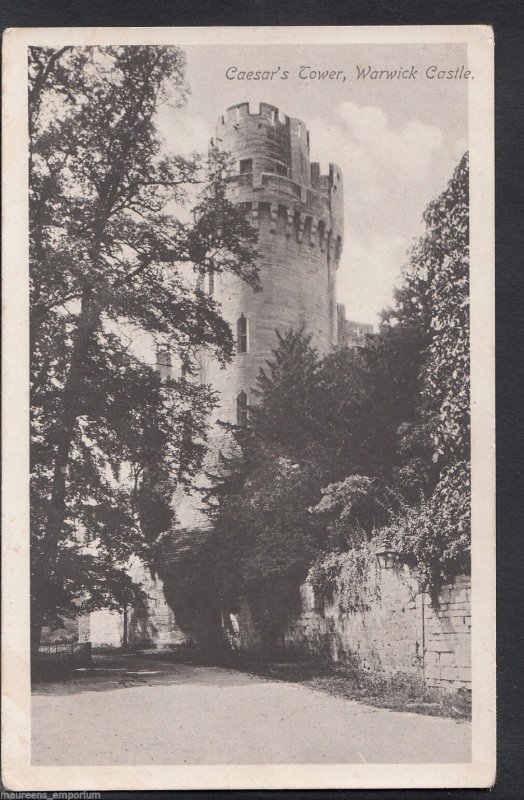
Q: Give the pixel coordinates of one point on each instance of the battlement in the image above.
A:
(349, 332)
(271, 151)
(240, 111)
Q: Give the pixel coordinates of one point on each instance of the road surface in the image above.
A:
(153, 712)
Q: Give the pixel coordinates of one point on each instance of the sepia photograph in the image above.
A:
(252, 279)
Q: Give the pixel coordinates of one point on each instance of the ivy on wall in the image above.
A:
(353, 577)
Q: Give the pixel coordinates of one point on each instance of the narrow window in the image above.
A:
(296, 226)
(242, 334)
(307, 229)
(163, 357)
(321, 234)
(246, 165)
(211, 282)
(242, 409)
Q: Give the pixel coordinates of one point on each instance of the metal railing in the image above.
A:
(61, 652)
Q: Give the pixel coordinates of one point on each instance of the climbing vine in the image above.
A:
(436, 533)
(352, 577)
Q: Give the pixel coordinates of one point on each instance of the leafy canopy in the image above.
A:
(116, 271)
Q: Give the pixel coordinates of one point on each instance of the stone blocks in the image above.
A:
(401, 632)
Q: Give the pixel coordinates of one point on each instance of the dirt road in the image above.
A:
(153, 712)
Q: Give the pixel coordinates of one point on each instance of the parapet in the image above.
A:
(349, 332)
(271, 151)
(240, 111)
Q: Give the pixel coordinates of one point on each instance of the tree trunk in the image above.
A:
(124, 634)
(36, 625)
(88, 322)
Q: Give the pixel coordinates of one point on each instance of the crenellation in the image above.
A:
(315, 175)
(278, 151)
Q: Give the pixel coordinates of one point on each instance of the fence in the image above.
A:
(59, 657)
(57, 653)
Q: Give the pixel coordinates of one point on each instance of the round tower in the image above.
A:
(298, 213)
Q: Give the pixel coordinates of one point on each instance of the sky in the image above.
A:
(396, 141)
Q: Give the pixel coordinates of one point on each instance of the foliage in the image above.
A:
(439, 534)
(422, 508)
(287, 393)
(443, 259)
(351, 575)
(354, 508)
(394, 420)
(434, 535)
(264, 536)
(111, 263)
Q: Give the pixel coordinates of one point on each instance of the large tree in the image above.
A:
(315, 422)
(426, 494)
(440, 535)
(110, 261)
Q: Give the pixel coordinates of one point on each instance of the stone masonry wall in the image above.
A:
(153, 626)
(401, 632)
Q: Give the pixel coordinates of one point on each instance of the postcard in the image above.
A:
(249, 474)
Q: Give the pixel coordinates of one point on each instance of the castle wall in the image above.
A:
(400, 633)
(349, 332)
(153, 625)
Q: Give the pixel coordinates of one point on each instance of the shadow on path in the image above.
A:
(108, 673)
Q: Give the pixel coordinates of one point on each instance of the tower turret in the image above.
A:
(299, 216)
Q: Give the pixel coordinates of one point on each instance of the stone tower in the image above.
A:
(299, 216)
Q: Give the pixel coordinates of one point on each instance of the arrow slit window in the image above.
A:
(242, 339)
(242, 409)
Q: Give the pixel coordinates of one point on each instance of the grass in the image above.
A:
(400, 691)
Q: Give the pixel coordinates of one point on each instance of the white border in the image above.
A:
(17, 772)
